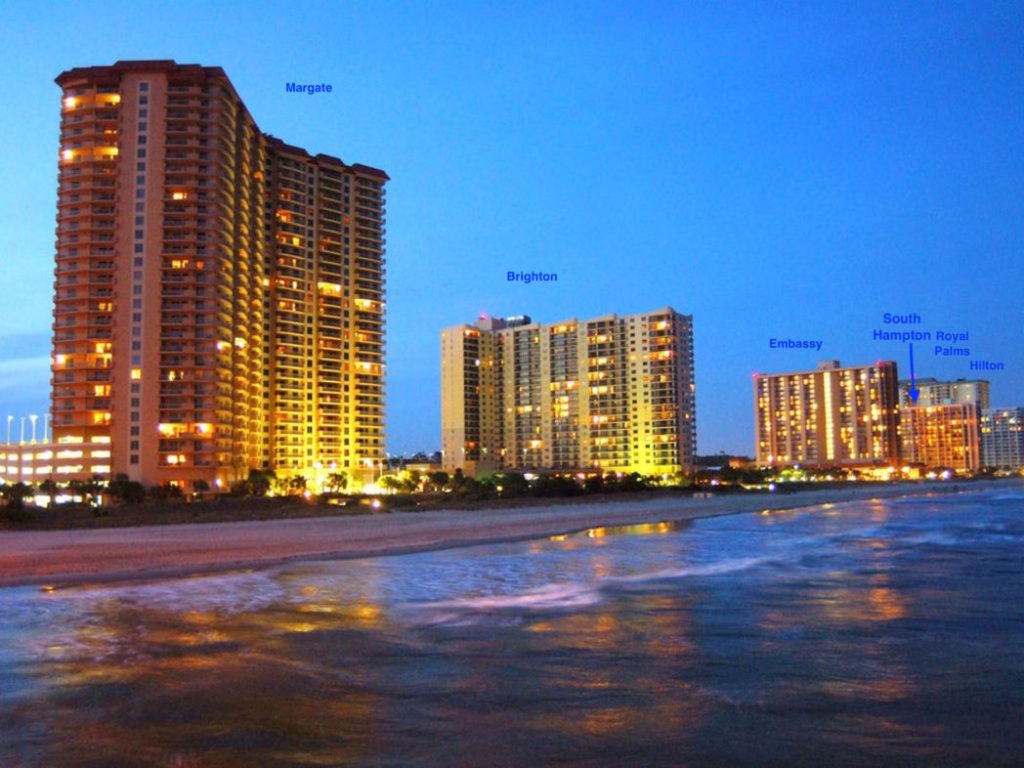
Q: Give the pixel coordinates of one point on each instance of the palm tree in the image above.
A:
(336, 482)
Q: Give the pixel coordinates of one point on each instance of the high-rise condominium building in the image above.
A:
(613, 393)
(324, 313)
(188, 244)
(934, 392)
(944, 434)
(1002, 438)
(941, 436)
(830, 417)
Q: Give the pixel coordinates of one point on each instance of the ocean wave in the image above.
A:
(559, 596)
(730, 565)
(1008, 497)
(223, 594)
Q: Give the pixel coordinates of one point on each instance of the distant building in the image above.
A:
(830, 417)
(613, 393)
(935, 392)
(943, 436)
(1002, 438)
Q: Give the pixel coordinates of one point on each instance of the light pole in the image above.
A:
(46, 427)
(10, 419)
(22, 430)
(33, 417)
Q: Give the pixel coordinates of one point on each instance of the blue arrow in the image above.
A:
(914, 391)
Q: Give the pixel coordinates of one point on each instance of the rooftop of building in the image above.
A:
(322, 159)
(827, 365)
(113, 72)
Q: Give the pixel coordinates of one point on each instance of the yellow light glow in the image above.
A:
(179, 196)
(136, 373)
(330, 289)
(70, 102)
(68, 154)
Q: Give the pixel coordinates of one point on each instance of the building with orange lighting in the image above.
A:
(831, 417)
(171, 264)
(942, 436)
(324, 314)
(614, 394)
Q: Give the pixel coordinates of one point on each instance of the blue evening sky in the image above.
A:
(778, 170)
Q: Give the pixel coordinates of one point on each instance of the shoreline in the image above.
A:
(89, 556)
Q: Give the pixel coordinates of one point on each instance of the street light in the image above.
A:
(33, 417)
(9, 420)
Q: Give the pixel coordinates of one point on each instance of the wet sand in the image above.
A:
(112, 554)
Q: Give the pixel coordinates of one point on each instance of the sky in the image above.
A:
(777, 170)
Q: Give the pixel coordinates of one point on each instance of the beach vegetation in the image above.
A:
(258, 483)
(509, 484)
(89, 490)
(165, 492)
(126, 491)
(390, 483)
(412, 481)
(556, 486)
(14, 495)
(438, 481)
(336, 482)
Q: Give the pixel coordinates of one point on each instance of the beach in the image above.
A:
(116, 554)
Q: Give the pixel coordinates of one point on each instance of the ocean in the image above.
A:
(885, 632)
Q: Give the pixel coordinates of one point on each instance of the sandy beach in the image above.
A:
(82, 556)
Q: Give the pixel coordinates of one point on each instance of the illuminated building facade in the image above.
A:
(324, 314)
(1002, 438)
(830, 417)
(613, 393)
(162, 349)
(934, 392)
(941, 436)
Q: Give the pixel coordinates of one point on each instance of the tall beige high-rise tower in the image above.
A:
(613, 393)
(170, 355)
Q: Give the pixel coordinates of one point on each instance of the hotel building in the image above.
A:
(934, 392)
(939, 430)
(175, 251)
(941, 436)
(1002, 438)
(831, 417)
(614, 394)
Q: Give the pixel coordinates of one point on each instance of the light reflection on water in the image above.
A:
(881, 631)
